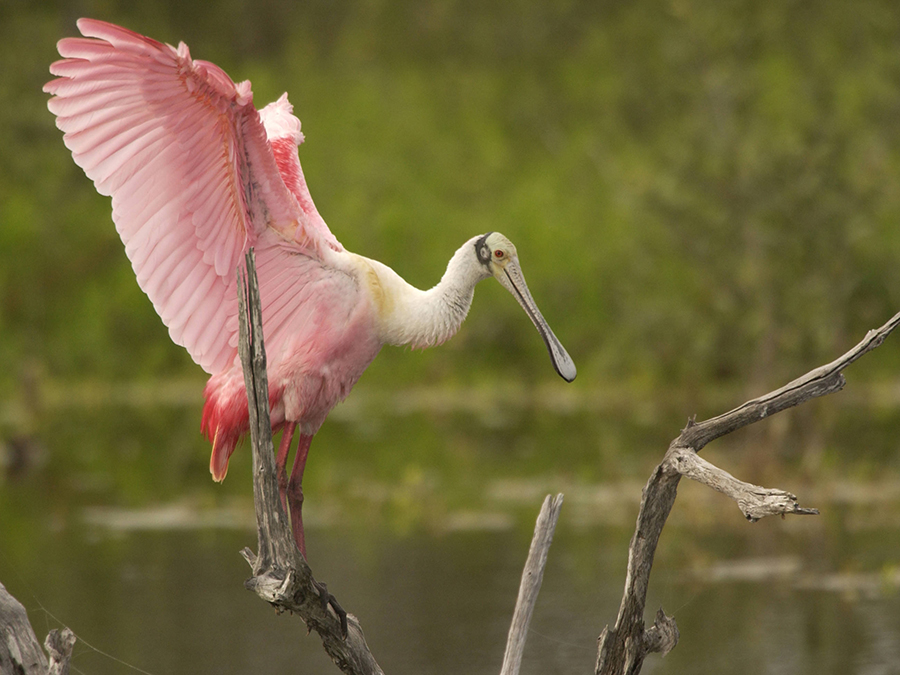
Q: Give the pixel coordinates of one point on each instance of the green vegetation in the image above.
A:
(705, 197)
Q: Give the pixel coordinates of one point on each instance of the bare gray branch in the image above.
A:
(817, 382)
(19, 648)
(621, 650)
(530, 585)
(754, 501)
(281, 576)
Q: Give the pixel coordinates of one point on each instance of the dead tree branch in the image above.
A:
(281, 576)
(623, 648)
(20, 651)
(59, 645)
(755, 502)
(530, 585)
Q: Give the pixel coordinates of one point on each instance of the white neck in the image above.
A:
(410, 316)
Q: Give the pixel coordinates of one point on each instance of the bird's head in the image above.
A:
(500, 260)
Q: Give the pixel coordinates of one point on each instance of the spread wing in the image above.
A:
(195, 172)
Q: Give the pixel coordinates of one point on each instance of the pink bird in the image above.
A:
(198, 175)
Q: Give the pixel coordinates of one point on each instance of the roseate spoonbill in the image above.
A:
(197, 175)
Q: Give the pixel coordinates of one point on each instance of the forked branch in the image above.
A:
(623, 648)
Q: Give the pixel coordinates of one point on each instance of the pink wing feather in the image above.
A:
(195, 172)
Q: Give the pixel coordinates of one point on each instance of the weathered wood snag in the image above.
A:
(20, 651)
(530, 585)
(622, 649)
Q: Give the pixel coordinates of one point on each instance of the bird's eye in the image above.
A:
(498, 254)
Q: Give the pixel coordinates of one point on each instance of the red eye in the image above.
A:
(498, 254)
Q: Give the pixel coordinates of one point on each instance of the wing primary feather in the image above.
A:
(193, 179)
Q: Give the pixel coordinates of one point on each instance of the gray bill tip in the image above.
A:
(562, 362)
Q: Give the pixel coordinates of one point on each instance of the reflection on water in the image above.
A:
(421, 529)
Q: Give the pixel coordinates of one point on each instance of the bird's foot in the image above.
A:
(327, 599)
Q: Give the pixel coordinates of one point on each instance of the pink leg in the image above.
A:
(295, 496)
(287, 435)
(295, 491)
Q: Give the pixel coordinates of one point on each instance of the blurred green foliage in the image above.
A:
(698, 191)
(701, 193)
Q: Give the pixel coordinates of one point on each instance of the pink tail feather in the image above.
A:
(223, 446)
(224, 421)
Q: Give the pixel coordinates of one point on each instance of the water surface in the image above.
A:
(152, 577)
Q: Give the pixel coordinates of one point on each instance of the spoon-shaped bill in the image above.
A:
(512, 279)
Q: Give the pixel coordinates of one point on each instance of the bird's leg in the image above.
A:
(295, 496)
(284, 447)
(295, 491)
